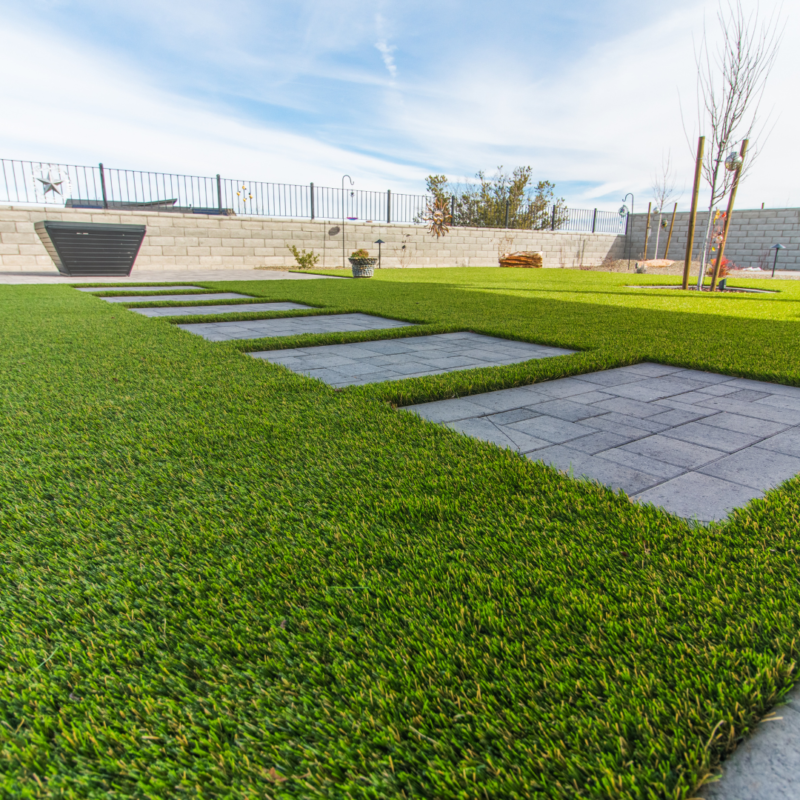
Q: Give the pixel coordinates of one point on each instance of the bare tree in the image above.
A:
(663, 193)
(730, 89)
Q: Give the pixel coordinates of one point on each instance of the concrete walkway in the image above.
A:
(163, 276)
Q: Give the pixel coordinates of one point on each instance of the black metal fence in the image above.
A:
(42, 183)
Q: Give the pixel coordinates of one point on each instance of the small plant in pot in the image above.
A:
(363, 265)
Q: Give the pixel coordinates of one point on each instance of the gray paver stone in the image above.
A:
(123, 288)
(779, 401)
(736, 422)
(582, 465)
(697, 496)
(718, 389)
(597, 442)
(755, 467)
(189, 298)
(551, 429)
(709, 436)
(446, 410)
(516, 415)
(634, 423)
(649, 466)
(673, 451)
(482, 428)
(654, 388)
(787, 442)
(758, 410)
(631, 408)
(566, 409)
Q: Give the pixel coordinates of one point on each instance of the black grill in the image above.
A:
(91, 248)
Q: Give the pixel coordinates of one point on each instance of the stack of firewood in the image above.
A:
(525, 259)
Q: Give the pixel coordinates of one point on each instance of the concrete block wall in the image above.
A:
(752, 233)
(176, 241)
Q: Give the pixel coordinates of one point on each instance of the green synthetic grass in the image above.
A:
(220, 579)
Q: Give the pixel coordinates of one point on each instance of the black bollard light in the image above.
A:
(379, 242)
(777, 248)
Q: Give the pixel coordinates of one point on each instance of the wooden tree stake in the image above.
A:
(647, 229)
(698, 169)
(728, 216)
(671, 226)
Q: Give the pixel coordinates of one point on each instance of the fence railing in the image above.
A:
(100, 187)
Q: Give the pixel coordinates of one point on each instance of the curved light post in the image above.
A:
(777, 248)
(623, 212)
(344, 212)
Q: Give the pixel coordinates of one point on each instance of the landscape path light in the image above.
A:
(344, 207)
(379, 242)
(777, 248)
(623, 212)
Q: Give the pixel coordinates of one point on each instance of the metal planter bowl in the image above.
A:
(91, 249)
(363, 267)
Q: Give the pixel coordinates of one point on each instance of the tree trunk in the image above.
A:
(658, 233)
(701, 276)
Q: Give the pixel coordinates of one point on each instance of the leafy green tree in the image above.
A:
(483, 204)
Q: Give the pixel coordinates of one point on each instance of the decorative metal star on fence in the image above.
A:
(51, 185)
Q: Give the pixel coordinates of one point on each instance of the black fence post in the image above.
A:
(219, 193)
(452, 210)
(103, 186)
(506, 213)
(388, 205)
(312, 201)
(553, 220)
(594, 221)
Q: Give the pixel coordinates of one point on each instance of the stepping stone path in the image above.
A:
(411, 357)
(124, 288)
(289, 326)
(179, 311)
(177, 297)
(695, 443)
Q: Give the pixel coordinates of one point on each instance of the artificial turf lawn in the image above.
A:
(221, 579)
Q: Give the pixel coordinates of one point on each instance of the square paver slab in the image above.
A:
(249, 308)
(123, 288)
(188, 298)
(291, 326)
(697, 496)
(699, 453)
(755, 467)
(395, 359)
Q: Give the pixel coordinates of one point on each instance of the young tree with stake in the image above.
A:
(730, 90)
(663, 193)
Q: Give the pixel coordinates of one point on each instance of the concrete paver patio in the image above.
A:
(177, 297)
(695, 443)
(179, 311)
(414, 356)
(290, 326)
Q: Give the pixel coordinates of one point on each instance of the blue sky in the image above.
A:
(587, 93)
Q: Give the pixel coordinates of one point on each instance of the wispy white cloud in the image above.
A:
(386, 51)
(384, 48)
